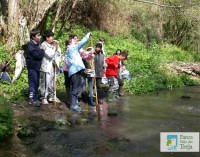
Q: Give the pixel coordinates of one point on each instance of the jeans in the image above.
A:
(75, 88)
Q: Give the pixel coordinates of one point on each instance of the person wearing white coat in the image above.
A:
(52, 52)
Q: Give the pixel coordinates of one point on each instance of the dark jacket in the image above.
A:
(99, 64)
(34, 56)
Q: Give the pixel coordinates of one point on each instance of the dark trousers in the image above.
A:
(75, 88)
(67, 87)
(33, 81)
(67, 79)
(98, 82)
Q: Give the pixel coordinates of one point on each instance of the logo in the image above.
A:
(179, 141)
(172, 142)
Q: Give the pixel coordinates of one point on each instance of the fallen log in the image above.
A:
(187, 68)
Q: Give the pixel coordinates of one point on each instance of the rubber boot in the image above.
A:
(68, 97)
(74, 106)
(110, 97)
(120, 90)
(112, 109)
(115, 96)
(90, 101)
(100, 101)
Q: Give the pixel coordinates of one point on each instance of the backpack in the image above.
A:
(5, 68)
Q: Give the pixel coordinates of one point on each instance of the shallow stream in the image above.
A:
(132, 130)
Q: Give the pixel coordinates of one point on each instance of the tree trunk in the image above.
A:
(161, 22)
(22, 20)
(13, 23)
(187, 68)
(24, 36)
(42, 8)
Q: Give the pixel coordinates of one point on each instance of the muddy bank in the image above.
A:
(52, 130)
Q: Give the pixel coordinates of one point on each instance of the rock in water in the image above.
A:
(185, 97)
(112, 114)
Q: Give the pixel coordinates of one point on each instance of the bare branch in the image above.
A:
(57, 14)
(74, 4)
(168, 6)
(41, 11)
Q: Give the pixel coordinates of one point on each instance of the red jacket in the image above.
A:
(112, 66)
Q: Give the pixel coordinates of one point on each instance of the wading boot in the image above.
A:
(120, 90)
(91, 102)
(74, 106)
(110, 97)
(116, 96)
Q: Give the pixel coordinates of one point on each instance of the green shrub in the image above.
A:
(147, 65)
(5, 118)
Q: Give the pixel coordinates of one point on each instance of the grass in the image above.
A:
(147, 65)
(5, 118)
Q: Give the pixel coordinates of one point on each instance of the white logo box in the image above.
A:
(179, 142)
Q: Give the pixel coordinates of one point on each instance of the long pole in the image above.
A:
(55, 70)
(97, 104)
(95, 87)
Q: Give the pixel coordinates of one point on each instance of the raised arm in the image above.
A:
(83, 41)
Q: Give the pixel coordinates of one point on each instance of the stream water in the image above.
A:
(131, 130)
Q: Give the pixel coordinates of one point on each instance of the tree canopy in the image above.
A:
(173, 21)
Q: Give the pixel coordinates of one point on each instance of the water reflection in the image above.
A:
(129, 127)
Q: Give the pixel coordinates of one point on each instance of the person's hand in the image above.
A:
(43, 47)
(104, 69)
(55, 43)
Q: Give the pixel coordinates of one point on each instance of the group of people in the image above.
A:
(42, 60)
(80, 67)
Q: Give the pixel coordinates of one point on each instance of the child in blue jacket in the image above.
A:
(75, 69)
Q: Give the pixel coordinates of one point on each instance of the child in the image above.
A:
(102, 42)
(65, 69)
(119, 78)
(99, 64)
(113, 64)
(34, 58)
(66, 76)
(125, 73)
(118, 52)
(52, 50)
(75, 69)
(88, 59)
